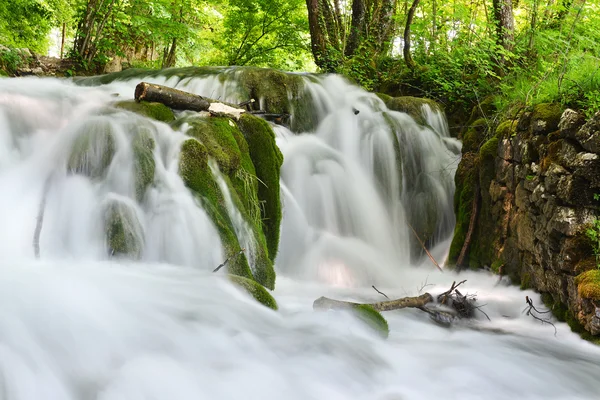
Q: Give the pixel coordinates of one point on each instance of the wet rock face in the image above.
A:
(544, 196)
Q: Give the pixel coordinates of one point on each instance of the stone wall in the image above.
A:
(532, 182)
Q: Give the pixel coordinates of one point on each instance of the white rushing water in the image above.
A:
(78, 325)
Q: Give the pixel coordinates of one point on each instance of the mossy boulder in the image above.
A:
(267, 160)
(197, 176)
(93, 149)
(143, 161)
(124, 234)
(245, 166)
(278, 92)
(588, 284)
(373, 318)
(413, 106)
(255, 290)
(156, 111)
(545, 118)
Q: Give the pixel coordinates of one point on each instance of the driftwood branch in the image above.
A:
(234, 255)
(472, 221)
(381, 293)
(425, 248)
(531, 310)
(324, 303)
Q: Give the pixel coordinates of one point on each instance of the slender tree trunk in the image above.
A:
(62, 40)
(317, 36)
(505, 23)
(410, 63)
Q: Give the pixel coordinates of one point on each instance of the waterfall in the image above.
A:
(122, 303)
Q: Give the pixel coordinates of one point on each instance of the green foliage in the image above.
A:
(593, 234)
(10, 60)
(25, 23)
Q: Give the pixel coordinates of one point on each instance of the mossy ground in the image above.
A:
(156, 111)
(373, 318)
(256, 290)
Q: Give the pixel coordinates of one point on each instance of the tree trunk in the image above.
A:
(505, 23)
(357, 28)
(410, 63)
(317, 36)
(62, 40)
(173, 98)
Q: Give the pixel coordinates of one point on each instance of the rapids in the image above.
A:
(77, 324)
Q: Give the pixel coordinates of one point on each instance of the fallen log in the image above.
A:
(173, 98)
(324, 303)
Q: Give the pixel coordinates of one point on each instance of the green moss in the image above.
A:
(496, 265)
(549, 113)
(489, 149)
(143, 162)
(93, 149)
(506, 129)
(156, 111)
(196, 174)
(384, 97)
(3, 73)
(255, 290)
(525, 281)
(588, 284)
(475, 135)
(123, 231)
(143, 73)
(267, 160)
(279, 92)
(373, 318)
(218, 137)
(413, 106)
(466, 183)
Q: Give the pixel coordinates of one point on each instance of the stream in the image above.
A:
(78, 324)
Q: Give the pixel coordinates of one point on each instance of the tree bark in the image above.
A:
(173, 98)
(505, 23)
(324, 303)
(410, 63)
(357, 27)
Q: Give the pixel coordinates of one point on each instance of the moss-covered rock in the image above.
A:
(141, 73)
(93, 149)
(124, 234)
(156, 111)
(143, 162)
(545, 118)
(255, 290)
(588, 284)
(474, 137)
(413, 106)
(267, 160)
(279, 92)
(250, 171)
(466, 180)
(197, 176)
(373, 318)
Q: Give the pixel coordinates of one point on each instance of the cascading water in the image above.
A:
(82, 324)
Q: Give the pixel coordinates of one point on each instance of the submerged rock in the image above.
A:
(255, 290)
(124, 234)
(93, 149)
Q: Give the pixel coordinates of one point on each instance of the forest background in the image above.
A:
(499, 54)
